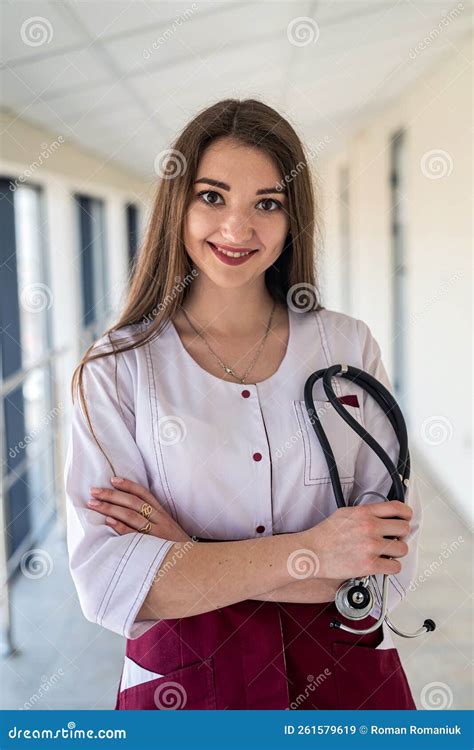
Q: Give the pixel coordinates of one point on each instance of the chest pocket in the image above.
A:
(344, 441)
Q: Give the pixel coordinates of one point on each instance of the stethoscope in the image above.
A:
(355, 598)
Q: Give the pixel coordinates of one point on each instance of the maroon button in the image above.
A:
(260, 529)
(245, 394)
(257, 456)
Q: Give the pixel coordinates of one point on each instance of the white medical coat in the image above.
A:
(227, 461)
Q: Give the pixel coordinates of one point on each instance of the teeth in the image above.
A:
(231, 254)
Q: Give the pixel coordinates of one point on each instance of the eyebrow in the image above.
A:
(224, 186)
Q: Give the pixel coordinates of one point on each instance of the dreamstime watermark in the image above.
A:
(282, 450)
(436, 696)
(313, 684)
(170, 163)
(171, 430)
(170, 696)
(436, 164)
(435, 565)
(69, 732)
(312, 151)
(36, 563)
(316, 149)
(46, 684)
(178, 554)
(440, 292)
(36, 297)
(47, 149)
(302, 564)
(169, 32)
(444, 21)
(302, 31)
(36, 31)
(436, 430)
(178, 288)
(33, 434)
(302, 297)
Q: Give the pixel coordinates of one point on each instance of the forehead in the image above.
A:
(238, 165)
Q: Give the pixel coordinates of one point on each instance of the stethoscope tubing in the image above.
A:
(400, 474)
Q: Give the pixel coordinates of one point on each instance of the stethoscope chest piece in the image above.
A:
(354, 600)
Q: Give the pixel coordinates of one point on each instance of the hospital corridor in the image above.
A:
(94, 96)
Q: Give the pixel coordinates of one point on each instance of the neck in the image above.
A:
(229, 312)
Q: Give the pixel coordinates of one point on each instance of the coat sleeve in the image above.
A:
(371, 474)
(112, 573)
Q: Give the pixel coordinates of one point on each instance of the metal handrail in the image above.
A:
(13, 381)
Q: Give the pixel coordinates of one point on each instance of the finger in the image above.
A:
(119, 527)
(125, 500)
(390, 509)
(120, 513)
(387, 567)
(136, 489)
(392, 527)
(393, 548)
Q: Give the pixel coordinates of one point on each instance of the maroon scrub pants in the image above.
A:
(265, 655)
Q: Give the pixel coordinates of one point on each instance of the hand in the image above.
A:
(352, 542)
(122, 510)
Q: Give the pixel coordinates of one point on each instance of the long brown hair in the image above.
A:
(163, 271)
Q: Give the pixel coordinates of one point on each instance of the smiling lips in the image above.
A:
(230, 256)
(239, 252)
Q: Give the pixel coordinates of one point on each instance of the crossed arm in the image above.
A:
(121, 507)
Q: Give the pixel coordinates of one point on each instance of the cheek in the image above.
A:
(198, 225)
(273, 230)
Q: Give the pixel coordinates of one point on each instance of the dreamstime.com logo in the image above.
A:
(171, 562)
(47, 150)
(70, 732)
(178, 287)
(312, 685)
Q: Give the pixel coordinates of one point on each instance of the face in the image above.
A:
(236, 208)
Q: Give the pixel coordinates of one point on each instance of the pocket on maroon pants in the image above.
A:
(191, 687)
(370, 678)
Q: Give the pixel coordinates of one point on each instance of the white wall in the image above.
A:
(437, 114)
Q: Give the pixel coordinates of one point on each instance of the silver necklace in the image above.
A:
(227, 369)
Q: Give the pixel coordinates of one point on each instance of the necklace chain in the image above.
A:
(227, 369)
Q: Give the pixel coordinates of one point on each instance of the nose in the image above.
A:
(237, 228)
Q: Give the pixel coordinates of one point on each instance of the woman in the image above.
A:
(199, 412)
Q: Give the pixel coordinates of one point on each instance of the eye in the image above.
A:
(266, 201)
(208, 192)
(278, 205)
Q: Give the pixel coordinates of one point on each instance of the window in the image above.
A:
(345, 239)
(93, 264)
(27, 416)
(399, 270)
(132, 212)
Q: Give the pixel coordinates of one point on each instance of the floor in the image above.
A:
(63, 661)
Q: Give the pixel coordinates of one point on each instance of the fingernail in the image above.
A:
(111, 520)
(94, 502)
(116, 480)
(95, 490)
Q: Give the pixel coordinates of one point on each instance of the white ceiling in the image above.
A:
(122, 77)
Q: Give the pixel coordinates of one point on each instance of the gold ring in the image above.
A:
(146, 528)
(146, 510)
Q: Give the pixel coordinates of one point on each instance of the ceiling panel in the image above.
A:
(49, 79)
(34, 29)
(232, 30)
(76, 104)
(106, 19)
(123, 77)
